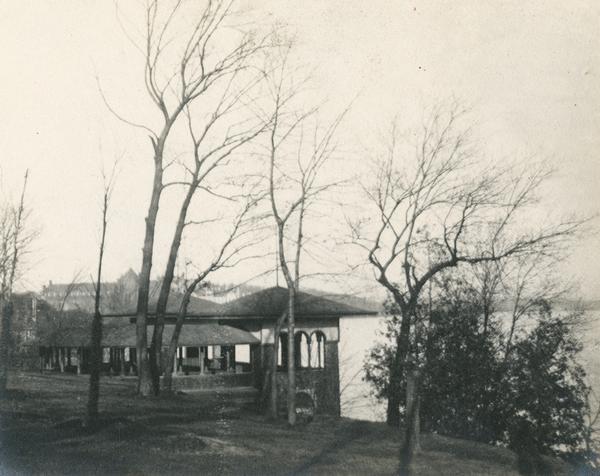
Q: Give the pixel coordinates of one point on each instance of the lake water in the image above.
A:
(358, 334)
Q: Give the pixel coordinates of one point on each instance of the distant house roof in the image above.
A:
(273, 301)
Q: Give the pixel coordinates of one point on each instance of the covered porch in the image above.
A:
(212, 349)
(209, 350)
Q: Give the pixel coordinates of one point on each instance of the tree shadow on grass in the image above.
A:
(343, 437)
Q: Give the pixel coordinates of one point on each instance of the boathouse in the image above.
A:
(225, 345)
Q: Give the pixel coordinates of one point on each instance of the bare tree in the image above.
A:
(15, 240)
(96, 328)
(488, 284)
(440, 200)
(527, 282)
(244, 235)
(291, 191)
(209, 153)
(186, 54)
(518, 285)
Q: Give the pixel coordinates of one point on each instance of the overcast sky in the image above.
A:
(528, 69)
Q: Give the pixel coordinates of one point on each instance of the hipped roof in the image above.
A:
(125, 336)
(197, 306)
(272, 302)
(268, 303)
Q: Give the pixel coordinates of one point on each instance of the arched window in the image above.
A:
(282, 351)
(317, 350)
(302, 350)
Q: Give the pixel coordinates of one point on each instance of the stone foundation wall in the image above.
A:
(224, 380)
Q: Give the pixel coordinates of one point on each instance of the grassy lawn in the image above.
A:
(204, 433)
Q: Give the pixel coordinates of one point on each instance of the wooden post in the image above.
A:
(175, 362)
(411, 444)
(217, 357)
(128, 369)
(79, 357)
(228, 359)
(61, 359)
(84, 362)
(412, 408)
(201, 358)
(122, 357)
(132, 362)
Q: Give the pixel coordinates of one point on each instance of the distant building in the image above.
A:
(80, 296)
(30, 313)
(24, 320)
(225, 293)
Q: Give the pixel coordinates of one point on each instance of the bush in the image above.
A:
(531, 397)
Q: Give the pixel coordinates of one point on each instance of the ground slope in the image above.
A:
(206, 433)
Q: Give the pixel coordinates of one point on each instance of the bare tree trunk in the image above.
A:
(486, 316)
(95, 364)
(5, 344)
(291, 400)
(96, 340)
(273, 377)
(509, 339)
(396, 372)
(144, 377)
(172, 351)
(161, 306)
(411, 443)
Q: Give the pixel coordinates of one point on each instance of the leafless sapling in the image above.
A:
(96, 327)
(293, 187)
(15, 241)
